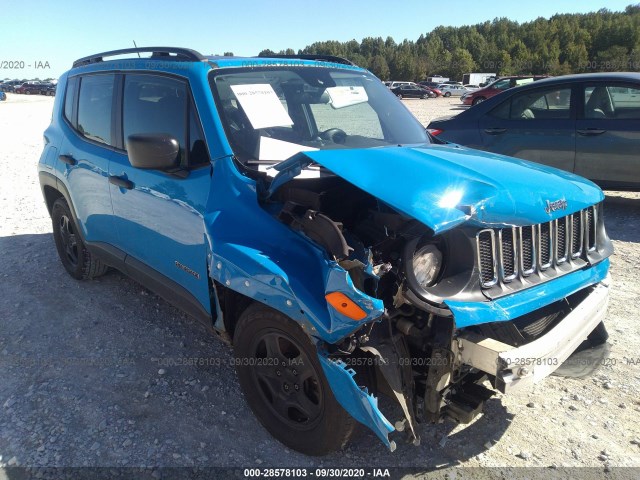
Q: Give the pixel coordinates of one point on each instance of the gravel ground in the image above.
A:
(87, 379)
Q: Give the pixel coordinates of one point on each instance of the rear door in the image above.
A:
(159, 215)
(536, 124)
(85, 153)
(608, 134)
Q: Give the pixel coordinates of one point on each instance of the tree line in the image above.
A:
(565, 43)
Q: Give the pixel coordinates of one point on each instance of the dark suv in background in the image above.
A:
(29, 88)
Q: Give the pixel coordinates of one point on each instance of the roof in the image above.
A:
(590, 77)
(177, 54)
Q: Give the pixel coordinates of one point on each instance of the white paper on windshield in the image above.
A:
(524, 81)
(346, 96)
(272, 149)
(262, 105)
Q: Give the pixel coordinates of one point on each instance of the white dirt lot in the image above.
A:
(85, 378)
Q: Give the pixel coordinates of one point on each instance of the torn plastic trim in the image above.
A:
(288, 170)
(355, 400)
(528, 300)
(254, 274)
(339, 280)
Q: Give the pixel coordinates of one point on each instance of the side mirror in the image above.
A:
(153, 151)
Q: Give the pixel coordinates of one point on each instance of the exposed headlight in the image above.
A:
(427, 261)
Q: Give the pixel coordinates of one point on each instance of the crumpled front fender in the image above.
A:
(356, 401)
(254, 254)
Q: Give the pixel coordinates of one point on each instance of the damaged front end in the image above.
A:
(442, 306)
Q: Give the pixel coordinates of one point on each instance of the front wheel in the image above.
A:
(284, 384)
(477, 100)
(447, 94)
(399, 96)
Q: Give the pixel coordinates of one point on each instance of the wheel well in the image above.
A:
(51, 195)
(232, 304)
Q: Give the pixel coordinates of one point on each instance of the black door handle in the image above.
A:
(495, 131)
(68, 159)
(121, 182)
(589, 132)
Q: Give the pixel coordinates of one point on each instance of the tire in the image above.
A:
(423, 97)
(599, 335)
(27, 92)
(447, 94)
(273, 355)
(477, 100)
(399, 96)
(75, 257)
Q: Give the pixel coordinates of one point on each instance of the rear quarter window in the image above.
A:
(69, 99)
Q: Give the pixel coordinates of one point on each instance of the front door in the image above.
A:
(159, 215)
(536, 125)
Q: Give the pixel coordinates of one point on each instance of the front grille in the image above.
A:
(504, 254)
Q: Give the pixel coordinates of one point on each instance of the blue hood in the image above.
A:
(445, 185)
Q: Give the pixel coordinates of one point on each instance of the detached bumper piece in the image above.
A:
(516, 368)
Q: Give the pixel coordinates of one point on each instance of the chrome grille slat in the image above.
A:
(508, 249)
(545, 245)
(590, 229)
(487, 261)
(505, 254)
(577, 234)
(562, 240)
(527, 250)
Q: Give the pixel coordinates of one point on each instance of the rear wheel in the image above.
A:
(284, 384)
(75, 257)
(447, 94)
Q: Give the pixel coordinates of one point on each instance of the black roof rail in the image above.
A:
(311, 56)
(181, 54)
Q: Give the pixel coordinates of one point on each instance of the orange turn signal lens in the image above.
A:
(345, 305)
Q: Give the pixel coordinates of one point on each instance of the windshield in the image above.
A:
(272, 113)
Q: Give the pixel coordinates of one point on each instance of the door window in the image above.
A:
(154, 104)
(612, 101)
(544, 103)
(94, 108)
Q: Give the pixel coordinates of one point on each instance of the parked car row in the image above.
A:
(428, 89)
(413, 90)
(29, 88)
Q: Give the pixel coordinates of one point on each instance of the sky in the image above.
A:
(42, 38)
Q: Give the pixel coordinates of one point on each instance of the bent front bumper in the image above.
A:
(517, 368)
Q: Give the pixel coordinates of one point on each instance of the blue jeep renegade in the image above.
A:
(296, 207)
